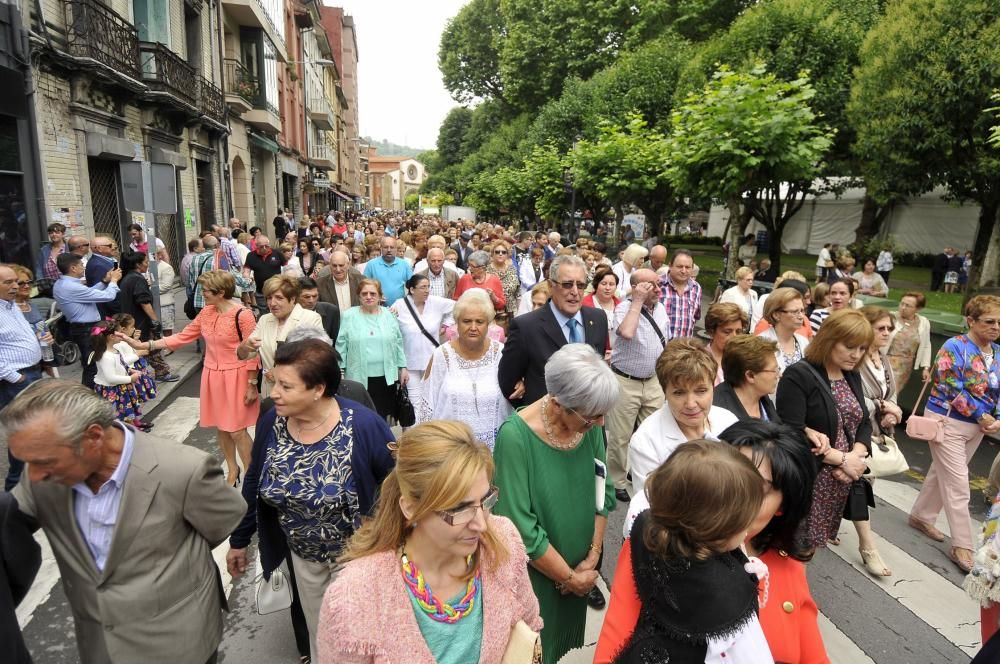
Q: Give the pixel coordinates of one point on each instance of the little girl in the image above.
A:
(114, 381)
(135, 359)
(698, 589)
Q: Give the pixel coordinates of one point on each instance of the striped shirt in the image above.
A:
(637, 356)
(817, 318)
(97, 513)
(19, 347)
(683, 309)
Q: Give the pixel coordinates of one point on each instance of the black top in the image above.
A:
(804, 401)
(725, 397)
(133, 292)
(330, 314)
(263, 268)
(20, 558)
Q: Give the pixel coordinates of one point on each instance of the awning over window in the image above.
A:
(346, 198)
(264, 143)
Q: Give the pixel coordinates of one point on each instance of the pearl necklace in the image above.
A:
(551, 436)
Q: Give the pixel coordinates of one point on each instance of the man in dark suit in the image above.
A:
(20, 558)
(463, 249)
(533, 337)
(339, 284)
(939, 268)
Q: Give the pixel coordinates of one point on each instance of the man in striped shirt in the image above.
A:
(681, 295)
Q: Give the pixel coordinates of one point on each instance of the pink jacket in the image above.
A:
(367, 616)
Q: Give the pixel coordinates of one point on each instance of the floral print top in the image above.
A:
(964, 381)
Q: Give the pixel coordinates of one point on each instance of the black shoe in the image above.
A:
(595, 598)
(622, 495)
(169, 378)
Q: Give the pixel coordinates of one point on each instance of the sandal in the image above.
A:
(834, 541)
(926, 529)
(964, 562)
(874, 563)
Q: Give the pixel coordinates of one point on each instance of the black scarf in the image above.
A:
(685, 602)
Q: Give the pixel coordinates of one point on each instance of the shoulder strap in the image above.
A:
(416, 319)
(656, 328)
(239, 332)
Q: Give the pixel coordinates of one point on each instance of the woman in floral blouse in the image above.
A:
(966, 399)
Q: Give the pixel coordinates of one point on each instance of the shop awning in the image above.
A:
(346, 198)
(264, 143)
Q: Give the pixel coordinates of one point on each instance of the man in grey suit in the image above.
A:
(132, 521)
(339, 284)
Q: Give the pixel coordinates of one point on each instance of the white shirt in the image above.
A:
(624, 276)
(637, 356)
(418, 348)
(97, 513)
(343, 290)
(824, 256)
(748, 302)
(526, 274)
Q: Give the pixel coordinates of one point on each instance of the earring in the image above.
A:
(315, 397)
(779, 513)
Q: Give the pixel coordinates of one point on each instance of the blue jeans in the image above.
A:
(7, 393)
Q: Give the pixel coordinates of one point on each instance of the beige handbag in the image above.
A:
(524, 647)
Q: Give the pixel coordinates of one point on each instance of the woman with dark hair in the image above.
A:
(869, 281)
(788, 614)
(318, 460)
(307, 257)
(605, 285)
(136, 300)
(421, 317)
(840, 294)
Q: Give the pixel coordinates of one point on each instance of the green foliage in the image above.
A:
(544, 178)
(411, 201)
(451, 143)
(693, 19)
(386, 147)
(469, 54)
(995, 129)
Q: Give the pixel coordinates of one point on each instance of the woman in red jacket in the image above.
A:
(788, 614)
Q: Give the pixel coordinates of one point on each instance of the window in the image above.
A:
(152, 20)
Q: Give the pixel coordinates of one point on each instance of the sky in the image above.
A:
(402, 98)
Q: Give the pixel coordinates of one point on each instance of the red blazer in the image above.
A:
(793, 635)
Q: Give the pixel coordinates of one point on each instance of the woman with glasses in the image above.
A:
(461, 377)
(785, 310)
(548, 457)
(479, 277)
(502, 267)
(910, 341)
(25, 282)
(433, 576)
(965, 398)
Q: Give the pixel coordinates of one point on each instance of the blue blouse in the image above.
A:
(313, 489)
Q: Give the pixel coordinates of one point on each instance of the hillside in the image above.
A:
(394, 149)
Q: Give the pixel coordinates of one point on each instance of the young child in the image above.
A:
(114, 380)
(135, 359)
(697, 588)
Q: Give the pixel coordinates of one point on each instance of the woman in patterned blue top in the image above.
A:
(318, 473)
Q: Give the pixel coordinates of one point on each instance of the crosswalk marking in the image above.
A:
(902, 496)
(839, 647)
(46, 578)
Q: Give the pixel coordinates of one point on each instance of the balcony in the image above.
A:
(319, 108)
(211, 103)
(264, 117)
(242, 89)
(165, 72)
(96, 32)
(251, 13)
(322, 156)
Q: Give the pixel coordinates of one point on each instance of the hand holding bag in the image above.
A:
(886, 458)
(274, 594)
(922, 427)
(524, 646)
(402, 408)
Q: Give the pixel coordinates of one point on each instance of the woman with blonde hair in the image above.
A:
(743, 295)
(433, 576)
(785, 310)
(502, 267)
(537, 297)
(632, 258)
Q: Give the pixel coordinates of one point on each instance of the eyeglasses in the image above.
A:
(500, 252)
(589, 423)
(769, 371)
(793, 312)
(989, 322)
(569, 285)
(463, 515)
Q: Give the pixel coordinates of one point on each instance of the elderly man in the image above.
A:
(442, 280)
(79, 245)
(228, 246)
(681, 295)
(79, 305)
(463, 249)
(657, 257)
(195, 247)
(263, 263)
(641, 332)
(20, 355)
(390, 271)
(338, 285)
(235, 223)
(102, 259)
(132, 521)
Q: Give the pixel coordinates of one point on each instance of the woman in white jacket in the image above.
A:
(531, 271)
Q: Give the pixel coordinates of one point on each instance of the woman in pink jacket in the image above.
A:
(434, 576)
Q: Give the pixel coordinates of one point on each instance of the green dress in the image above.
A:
(549, 494)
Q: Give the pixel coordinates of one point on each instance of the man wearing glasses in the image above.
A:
(535, 336)
(102, 260)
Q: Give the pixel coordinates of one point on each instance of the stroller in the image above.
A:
(66, 352)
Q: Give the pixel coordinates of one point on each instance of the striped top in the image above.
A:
(19, 347)
(97, 513)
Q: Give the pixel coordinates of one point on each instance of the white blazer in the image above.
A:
(526, 273)
(267, 332)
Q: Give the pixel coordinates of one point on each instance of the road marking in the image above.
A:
(41, 589)
(976, 483)
(933, 599)
(179, 419)
(902, 496)
(839, 647)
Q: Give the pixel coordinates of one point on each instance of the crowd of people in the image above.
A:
(549, 383)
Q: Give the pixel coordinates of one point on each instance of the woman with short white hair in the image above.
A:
(546, 455)
(460, 381)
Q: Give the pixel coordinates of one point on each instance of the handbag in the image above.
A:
(402, 408)
(859, 499)
(274, 594)
(524, 646)
(922, 427)
(886, 458)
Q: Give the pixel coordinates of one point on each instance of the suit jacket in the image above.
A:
(450, 280)
(159, 599)
(462, 262)
(531, 340)
(330, 314)
(328, 289)
(20, 558)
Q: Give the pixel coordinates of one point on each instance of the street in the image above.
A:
(918, 615)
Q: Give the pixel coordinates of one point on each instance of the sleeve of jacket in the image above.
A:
(211, 506)
(20, 554)
(623, 610)
(263, 435)
(792, 398)
(513, 360)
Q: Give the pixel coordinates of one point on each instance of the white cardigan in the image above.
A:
(267, 332)
(735, 296)
(923, 356)
(418, 348)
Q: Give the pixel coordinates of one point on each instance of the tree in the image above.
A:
(543, 174)
(469, 54)
(625, 164)
(749, 134)
(451, 143)
(411, 201)
(693, 19)
(920, 104)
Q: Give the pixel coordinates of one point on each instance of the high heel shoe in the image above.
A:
(142, 426)
(874, 563)
(237, 482)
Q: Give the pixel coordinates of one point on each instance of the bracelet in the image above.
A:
(150, 346)
(843, 461)
(252, 381)
(561, 585)
(595, 547)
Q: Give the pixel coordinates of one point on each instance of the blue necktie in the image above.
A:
(574, 331)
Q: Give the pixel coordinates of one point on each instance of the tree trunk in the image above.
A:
(987, 227)
(872, 216)
(774, 211)
(736, 227)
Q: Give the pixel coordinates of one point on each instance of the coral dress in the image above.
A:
(224, 377)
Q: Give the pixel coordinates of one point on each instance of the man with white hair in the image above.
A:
(442, 279)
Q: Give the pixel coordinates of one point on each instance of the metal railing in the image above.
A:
(240, 82)
(95, 31)
(165, 71)
(322, 152)
(211, 102)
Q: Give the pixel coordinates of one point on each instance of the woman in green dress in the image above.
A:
(550, 462)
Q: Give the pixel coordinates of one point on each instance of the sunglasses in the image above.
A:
(569, 285)
(500, 252)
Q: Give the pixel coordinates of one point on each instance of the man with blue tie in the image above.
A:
(78, 302)
(535, 336)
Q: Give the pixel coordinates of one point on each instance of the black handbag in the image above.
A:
(402, 408)
(859, 499)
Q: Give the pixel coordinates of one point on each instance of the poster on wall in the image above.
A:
(637, 222)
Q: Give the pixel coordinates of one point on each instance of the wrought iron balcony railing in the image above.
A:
(321, 152)
(211, 102)
(165, 71)
(240, 82)
(95, 31)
